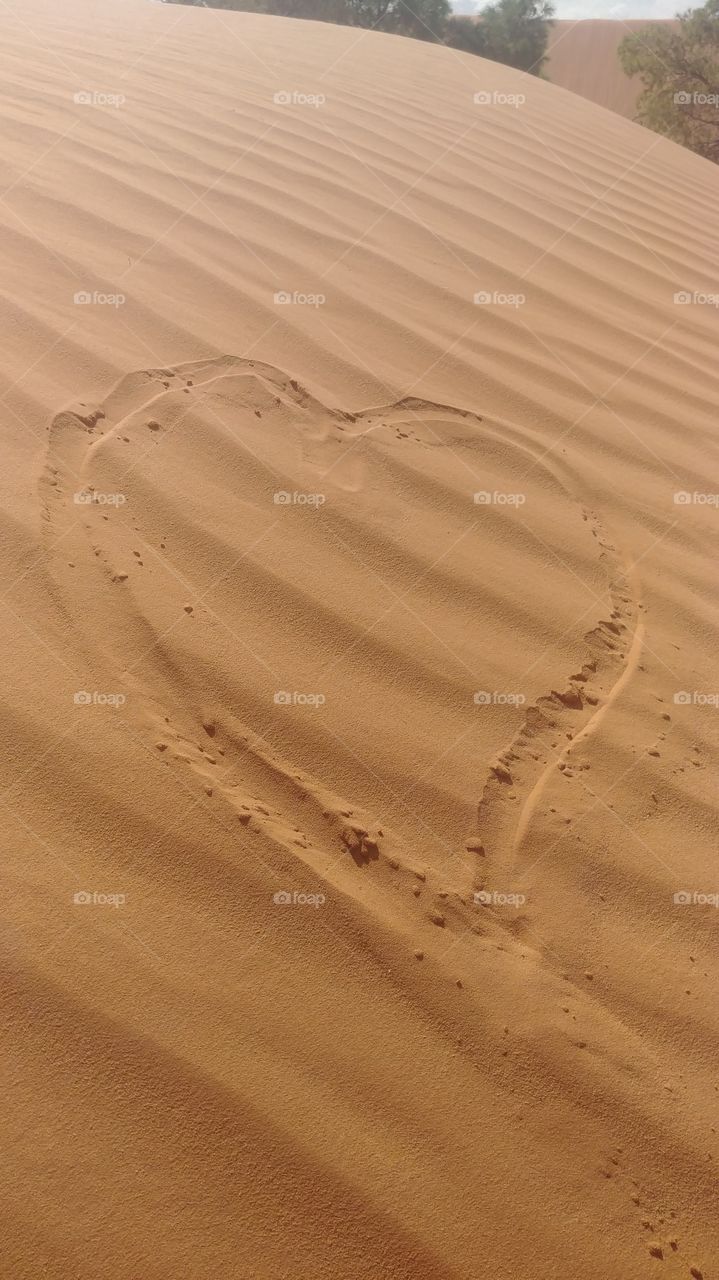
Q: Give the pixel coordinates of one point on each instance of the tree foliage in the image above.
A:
(320, 10)
(679, 69)
(514, 32)
(424, 19)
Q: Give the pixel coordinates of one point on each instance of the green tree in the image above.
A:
(320, 10)
(679, 69)
(515, 32)
(246, 6)
(424, 19)
(464, 33)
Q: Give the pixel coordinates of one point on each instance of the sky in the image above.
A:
(600, 8)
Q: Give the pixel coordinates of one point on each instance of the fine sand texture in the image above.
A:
(359, 691)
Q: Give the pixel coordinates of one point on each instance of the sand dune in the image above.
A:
(346, 792)
(583, 58)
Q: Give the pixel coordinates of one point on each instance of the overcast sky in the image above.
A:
(602, 8)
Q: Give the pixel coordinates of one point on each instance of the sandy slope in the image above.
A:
(583, 58)
(383, 1077)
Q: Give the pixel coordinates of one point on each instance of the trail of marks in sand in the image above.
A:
(556, 727)
(562, 759)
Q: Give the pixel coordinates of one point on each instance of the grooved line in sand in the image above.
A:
(524, 769)
(530, 805)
